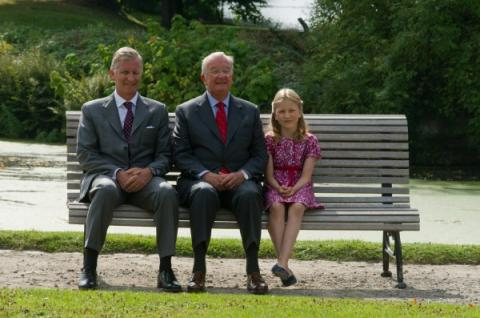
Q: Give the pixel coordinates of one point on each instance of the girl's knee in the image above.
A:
(277, 210)
(296, 209)
(276, 207)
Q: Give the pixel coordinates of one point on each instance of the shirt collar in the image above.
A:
(119, 101)
(213, 101)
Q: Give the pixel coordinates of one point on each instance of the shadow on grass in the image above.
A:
(408, 293)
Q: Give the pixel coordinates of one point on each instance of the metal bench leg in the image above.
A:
(399, 259)
(386, 252)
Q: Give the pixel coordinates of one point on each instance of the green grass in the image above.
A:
(57, 15)
(65, 303)
(335, 250)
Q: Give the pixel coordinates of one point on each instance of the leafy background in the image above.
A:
(419, 58)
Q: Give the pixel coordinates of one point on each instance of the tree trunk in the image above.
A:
(169, 9)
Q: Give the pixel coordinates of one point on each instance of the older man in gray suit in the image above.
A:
(124, 149)
(220, 150)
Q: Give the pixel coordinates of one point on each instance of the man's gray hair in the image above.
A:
(125, 53)
(213, 55)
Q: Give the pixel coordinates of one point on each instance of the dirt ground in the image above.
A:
(426, 283)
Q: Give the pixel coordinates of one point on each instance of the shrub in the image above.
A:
(28, 102)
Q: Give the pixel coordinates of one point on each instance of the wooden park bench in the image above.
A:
(362, 179)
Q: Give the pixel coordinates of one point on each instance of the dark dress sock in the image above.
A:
(90, 257)
(165, 263)
(252, 259)
(199, 254)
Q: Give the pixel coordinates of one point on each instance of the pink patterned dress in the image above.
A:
(288, 158)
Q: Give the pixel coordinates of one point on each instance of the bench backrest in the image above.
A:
(364, 159)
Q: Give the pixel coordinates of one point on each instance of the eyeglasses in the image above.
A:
(218, 71)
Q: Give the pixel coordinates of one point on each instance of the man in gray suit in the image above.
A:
(220, 150)
(124, 148)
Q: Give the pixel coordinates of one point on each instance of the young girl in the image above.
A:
(292, 153)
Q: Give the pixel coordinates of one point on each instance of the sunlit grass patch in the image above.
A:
(66, 303)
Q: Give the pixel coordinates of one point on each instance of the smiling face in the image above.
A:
(287, 113)
(218, 77)
(127, 74)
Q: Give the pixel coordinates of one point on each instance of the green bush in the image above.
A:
(29, 106)
(172, 66)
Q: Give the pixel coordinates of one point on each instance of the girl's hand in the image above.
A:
(289, 192)
(285, 191)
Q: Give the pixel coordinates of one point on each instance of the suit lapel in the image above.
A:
(111, 114)
(206, 115)
(235, 115)
(141, 113)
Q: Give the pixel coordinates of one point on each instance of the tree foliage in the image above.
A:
(203, 10)
(420, 58)
(172, 66)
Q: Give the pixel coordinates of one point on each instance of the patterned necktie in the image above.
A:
(128, 123)
(221, 120)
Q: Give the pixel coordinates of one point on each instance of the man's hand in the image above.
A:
(134, 179)
(233, 180)
(215, 179)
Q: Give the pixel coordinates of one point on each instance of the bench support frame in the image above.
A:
(396, 253)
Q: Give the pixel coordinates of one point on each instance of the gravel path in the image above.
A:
(444, 284)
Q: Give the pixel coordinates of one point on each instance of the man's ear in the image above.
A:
(111, 73)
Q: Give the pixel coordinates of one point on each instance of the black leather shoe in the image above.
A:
(286, 278)
(167, 282)
(88, 279)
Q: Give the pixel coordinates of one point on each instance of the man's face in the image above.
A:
(127, 75)
(218, 77)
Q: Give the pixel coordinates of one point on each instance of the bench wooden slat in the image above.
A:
(359, 190)
(326, 226)
(74, 188)
(304, 226)
(349, 154)
(71, 131)
(361, 180)
(382, 217)
(364, 145)
(362, 163)
(354, 171)
(319, 171)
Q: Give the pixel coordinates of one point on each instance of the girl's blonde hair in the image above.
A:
(287, 94)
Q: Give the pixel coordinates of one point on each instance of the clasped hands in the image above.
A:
(133, 179)
(224, 181)
(286, 191)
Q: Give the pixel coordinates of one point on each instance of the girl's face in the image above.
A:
(287, 113)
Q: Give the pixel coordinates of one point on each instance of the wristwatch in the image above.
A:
(245, 174)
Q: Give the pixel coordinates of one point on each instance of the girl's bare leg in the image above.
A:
(276, 225)
(290, 233)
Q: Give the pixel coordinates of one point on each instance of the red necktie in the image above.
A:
(221, 120)
(128, 123)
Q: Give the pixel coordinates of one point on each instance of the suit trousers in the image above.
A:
(204, 201)
(158, 197)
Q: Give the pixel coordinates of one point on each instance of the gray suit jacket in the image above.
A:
(197, 143)
(102, 147)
